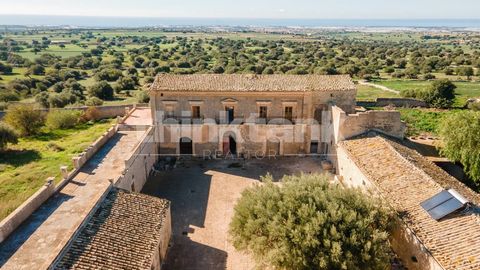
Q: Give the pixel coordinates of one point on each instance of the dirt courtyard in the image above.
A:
(203, 194)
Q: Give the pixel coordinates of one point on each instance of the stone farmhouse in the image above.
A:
(259, 115)
(95, 219)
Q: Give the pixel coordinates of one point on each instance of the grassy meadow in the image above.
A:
(24, 167)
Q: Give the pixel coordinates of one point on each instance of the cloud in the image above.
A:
(281, 10)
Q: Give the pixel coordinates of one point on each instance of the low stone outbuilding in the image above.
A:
(404, 179)
(127, 231)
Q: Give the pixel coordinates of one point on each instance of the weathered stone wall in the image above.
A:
(351, 175)
(12, 221)
(410, 250)
(212, 105)
(138, 167)
(251, 139)
(110, 111)
(397, 102)
(406, 245)
(349, 125)
(161, 251)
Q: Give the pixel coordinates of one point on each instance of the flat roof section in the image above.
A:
(39, 240)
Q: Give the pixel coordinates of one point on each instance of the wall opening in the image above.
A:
(229, 145)
(186, 146)
(313, 147)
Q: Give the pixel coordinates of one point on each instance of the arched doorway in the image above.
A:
(273, 147)
(229, 144)
(186, 146)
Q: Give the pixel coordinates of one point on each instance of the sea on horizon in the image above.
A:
(95, 21)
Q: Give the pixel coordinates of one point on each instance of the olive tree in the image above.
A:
(7, 135)
(460, 133)
(25, 119)
(309, 223)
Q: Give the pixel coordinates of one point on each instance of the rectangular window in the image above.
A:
(262, 112)
(196, 112)
(288, 113)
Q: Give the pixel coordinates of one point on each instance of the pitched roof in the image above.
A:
(250, 82)
(123, 233)
(406, 179)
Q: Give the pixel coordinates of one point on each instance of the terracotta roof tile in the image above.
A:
(250, 82)
(123, 233)
(406, 179)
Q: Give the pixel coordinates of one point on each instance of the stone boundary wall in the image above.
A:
(12, 221)
(109, 111)
(140, 164)
(82, 158)
(397, 102)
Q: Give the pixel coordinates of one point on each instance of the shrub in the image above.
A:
(474, 106)
(94, 101)
(25, 119)
(142, 96)
(36, 70)
(9, 96)
(440, 94)
(108, 74)
(7, 135)
(126, 83)
(91, 114)
(308, 223)
(102, 90)
(61, 119)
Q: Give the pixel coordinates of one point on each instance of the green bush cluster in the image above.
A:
(460, 133)
(440, 94)
(26, 119)
(7, 135)
(61, 119)
(309, 223)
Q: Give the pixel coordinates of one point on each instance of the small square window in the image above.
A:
(196, 112)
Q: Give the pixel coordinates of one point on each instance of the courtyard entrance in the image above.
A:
(229, 145)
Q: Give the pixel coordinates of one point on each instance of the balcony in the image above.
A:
(238, 120)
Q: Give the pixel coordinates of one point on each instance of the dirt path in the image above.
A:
(381, 87)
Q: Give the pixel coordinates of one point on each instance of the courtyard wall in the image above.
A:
(413, 254)
(140, 163)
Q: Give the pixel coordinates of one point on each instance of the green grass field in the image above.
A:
(368, 93)
(465, 90)
(25, 167)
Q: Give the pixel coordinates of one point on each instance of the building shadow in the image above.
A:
(97, 159)
(19, 157)
(18, 237)
(187, 189)
(187, 254)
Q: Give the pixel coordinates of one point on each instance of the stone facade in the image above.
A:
(254, 118)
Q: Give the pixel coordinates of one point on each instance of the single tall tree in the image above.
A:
(460, 133)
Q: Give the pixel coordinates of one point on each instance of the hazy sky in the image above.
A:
(318, 9)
